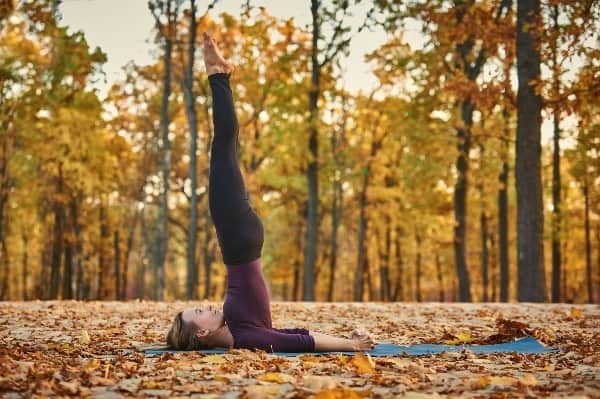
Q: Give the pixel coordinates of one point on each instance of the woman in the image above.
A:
(246, 318)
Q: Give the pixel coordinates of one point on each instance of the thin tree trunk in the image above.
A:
(503, 214)
(163, 217)
(362, 231)
(313, 166)
(102, 262)
(484, 255)
(78, 248)
(68, 274)
(530, 216)
(57, 241)
(25, 265)
(117, 262)
(588, 244)
(335, 223)
(128, 249)
(297, 260)
(192, 267)
(493, 269)
(385, 267)
(556, 214)
(418, 268)
(440, 280)
(398, 290)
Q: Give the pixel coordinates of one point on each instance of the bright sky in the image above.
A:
(122, 29)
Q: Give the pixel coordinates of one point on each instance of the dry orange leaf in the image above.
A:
(364, 363)
(278, 378)
(341, 393)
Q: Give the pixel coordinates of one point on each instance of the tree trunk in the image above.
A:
(102, 261)
(297, 260)
(78, 247)
(398, 289)
(588, 244)
(484, 256)
(336, 206)
(362, 231)
(493, 269)
(25, 265)
(128, 249)
(57, 239)
(530, 217)
(68, 274)
(418, 268)
(503, 214)
(162, 228)
(385, 266)
(556, 214)
(440, 280)
(313, 166)
(192, 267)
(117, 262)
(460, 202)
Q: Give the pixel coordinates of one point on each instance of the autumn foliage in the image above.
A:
(412, 182)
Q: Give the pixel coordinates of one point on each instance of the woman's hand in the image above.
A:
(360, 332)
(363, 343)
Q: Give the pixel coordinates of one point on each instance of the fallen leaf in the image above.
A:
(84, 338)
(278, 378)
(576, 313)
(363, 363)
(261, 391)
(340, 393)
(462, 338)
(318, 382)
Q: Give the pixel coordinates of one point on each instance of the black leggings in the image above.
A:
(239, 229)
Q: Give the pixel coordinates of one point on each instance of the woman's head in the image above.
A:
(195, 328)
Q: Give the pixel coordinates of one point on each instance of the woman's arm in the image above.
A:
(324, 342)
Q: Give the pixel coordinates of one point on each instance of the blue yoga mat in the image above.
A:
(527, 345)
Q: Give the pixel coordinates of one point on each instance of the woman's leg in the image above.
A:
(239, 229)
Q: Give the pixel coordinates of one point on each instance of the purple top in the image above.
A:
(247, 312)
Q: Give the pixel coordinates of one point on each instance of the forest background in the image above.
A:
(434, 184)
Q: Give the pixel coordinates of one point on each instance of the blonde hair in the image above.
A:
(182, 336)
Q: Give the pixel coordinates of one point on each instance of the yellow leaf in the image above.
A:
(503, 380)
(340, 393)
(261, 391)
(213, 359)
(84, 338)
(364, 363)
(92, 365)
(462, 338)
(528, 380)
(278, 378)
(576, 313)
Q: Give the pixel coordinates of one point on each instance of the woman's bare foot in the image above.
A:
(213, 59)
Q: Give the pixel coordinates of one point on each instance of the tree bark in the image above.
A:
(484, 255)
(440, 279)
(117, 262)
(192, 267)
(102, 261)
(313, 167)
(503, 214)
(171, 10)
(362, 230)
(418, 268)
(556, 214)
(398, 289)
(588, 243)
(530, 217)
(25, 265)
(58, 238)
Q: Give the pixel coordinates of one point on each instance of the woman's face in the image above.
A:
(204, 318)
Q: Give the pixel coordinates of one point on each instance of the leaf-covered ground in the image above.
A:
(93, 349)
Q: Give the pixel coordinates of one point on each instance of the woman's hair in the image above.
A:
(182, 336)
